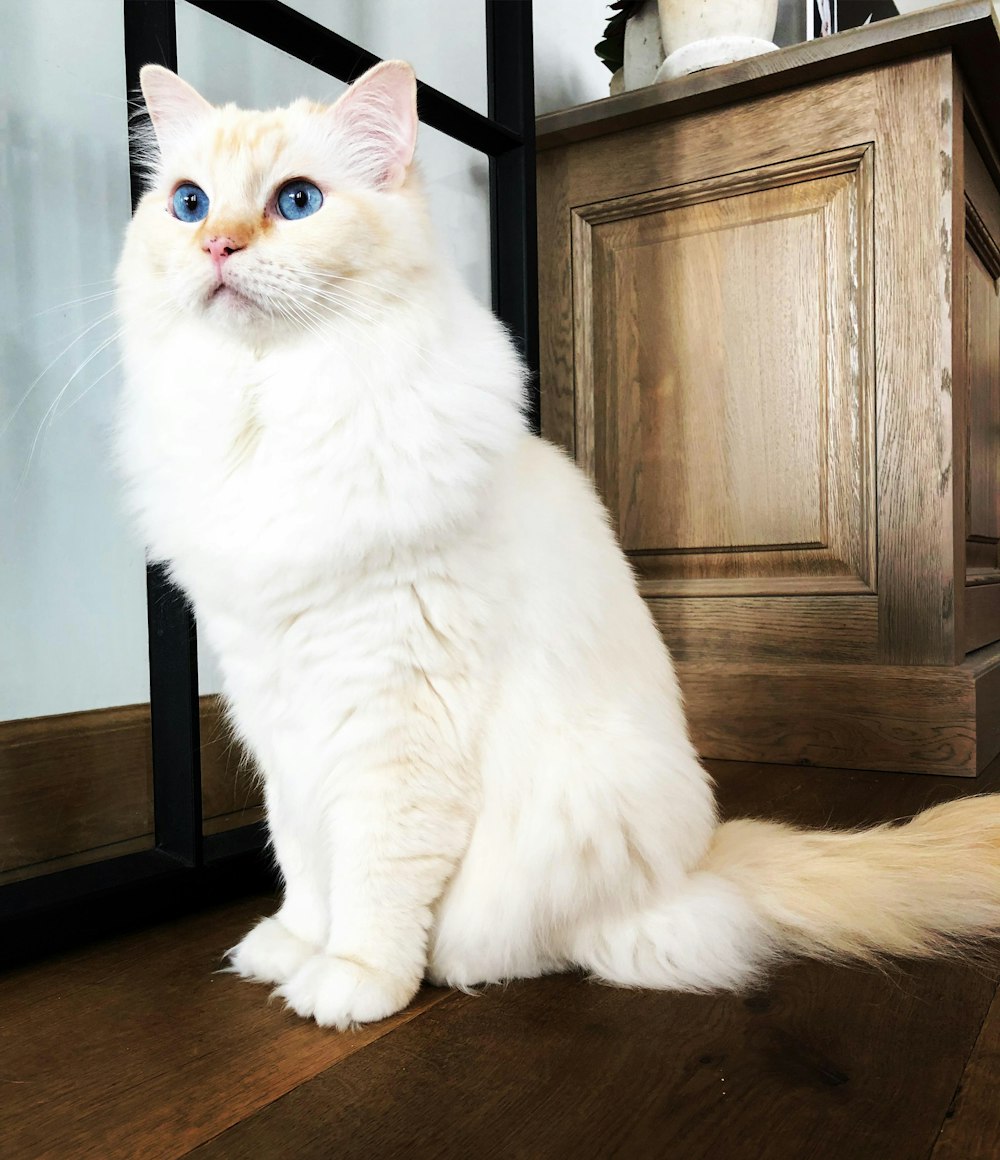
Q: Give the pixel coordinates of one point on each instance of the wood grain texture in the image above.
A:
(981, 366)
(73, 783)
(555, 303)
(643, 210)
(928, 719)
(971, 1129)
(133, 1048)
(730, 432)
(652, 163)
(230, 793)
(987, 704)
(823, 1062)
(960, 111)
(77, 787)
(137, 1048)
(983, 353)
(982, 614)
(833, 629)
(913, 285)
(981, 184)
(921, 719)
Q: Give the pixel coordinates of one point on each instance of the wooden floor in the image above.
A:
(135, 1048)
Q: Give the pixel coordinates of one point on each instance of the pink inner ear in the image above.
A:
(377, 116)
(173, 105)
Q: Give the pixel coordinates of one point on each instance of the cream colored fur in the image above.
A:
(470, 734)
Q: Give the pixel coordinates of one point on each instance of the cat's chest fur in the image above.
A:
(243, 465)
(332, 539)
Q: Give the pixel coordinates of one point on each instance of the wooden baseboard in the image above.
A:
(919, 719)
(78, 787)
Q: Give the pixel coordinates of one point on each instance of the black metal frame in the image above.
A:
(186, 868)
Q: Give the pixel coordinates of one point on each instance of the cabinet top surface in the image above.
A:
(970, 29)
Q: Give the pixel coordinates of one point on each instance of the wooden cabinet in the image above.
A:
(771, 334)
(981, 289)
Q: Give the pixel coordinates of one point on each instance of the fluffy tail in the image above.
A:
(766, 891)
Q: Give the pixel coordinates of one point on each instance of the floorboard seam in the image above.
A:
(961, 1074)
(323, 1070)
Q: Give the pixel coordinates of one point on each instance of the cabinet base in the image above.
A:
(918, 719)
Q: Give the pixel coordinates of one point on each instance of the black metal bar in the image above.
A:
(66, 887)
(236, 842)
(174, 712)
(107, 876)
(315, 44)
(150, 38)
(510, 78)
(58, 910)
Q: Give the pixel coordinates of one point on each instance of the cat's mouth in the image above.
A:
(226, 290)
(227, 294)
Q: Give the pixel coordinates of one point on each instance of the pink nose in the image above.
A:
(221, 248)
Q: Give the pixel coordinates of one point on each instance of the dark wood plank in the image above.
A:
(836, 798)
(825, 1062)
(73, 782)
(886, 717)
(972, 1125)
(136, 1048)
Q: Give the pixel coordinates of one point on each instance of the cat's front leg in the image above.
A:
(395, 837)
(278, 946)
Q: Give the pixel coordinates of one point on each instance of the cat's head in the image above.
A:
(276, 220)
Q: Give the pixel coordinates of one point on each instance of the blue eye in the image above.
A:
(298, 199)
(189, 203)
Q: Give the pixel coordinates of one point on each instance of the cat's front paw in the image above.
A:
(270, 953)
(341, 992)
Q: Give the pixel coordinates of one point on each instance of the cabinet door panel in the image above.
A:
(982, 368)
(983, 355)
(724, 377)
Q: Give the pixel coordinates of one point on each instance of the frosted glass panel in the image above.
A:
(72, 576)
(457, 180)
(225, 65)
(74, 732)
(444, 40)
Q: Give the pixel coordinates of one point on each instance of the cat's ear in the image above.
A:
(377, 117)
(174, 107)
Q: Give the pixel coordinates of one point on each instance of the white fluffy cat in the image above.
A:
(473, 749)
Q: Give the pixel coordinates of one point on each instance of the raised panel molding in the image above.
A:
(781, 394)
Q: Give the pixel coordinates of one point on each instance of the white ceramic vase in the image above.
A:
(700, 34)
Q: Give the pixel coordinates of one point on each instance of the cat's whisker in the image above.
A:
(343, 278)
(31, 389)
(347, 308)
(55, 403)
(348, 315)
(372, 312)
(75, 302)
(347, 311)
(83, 394)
